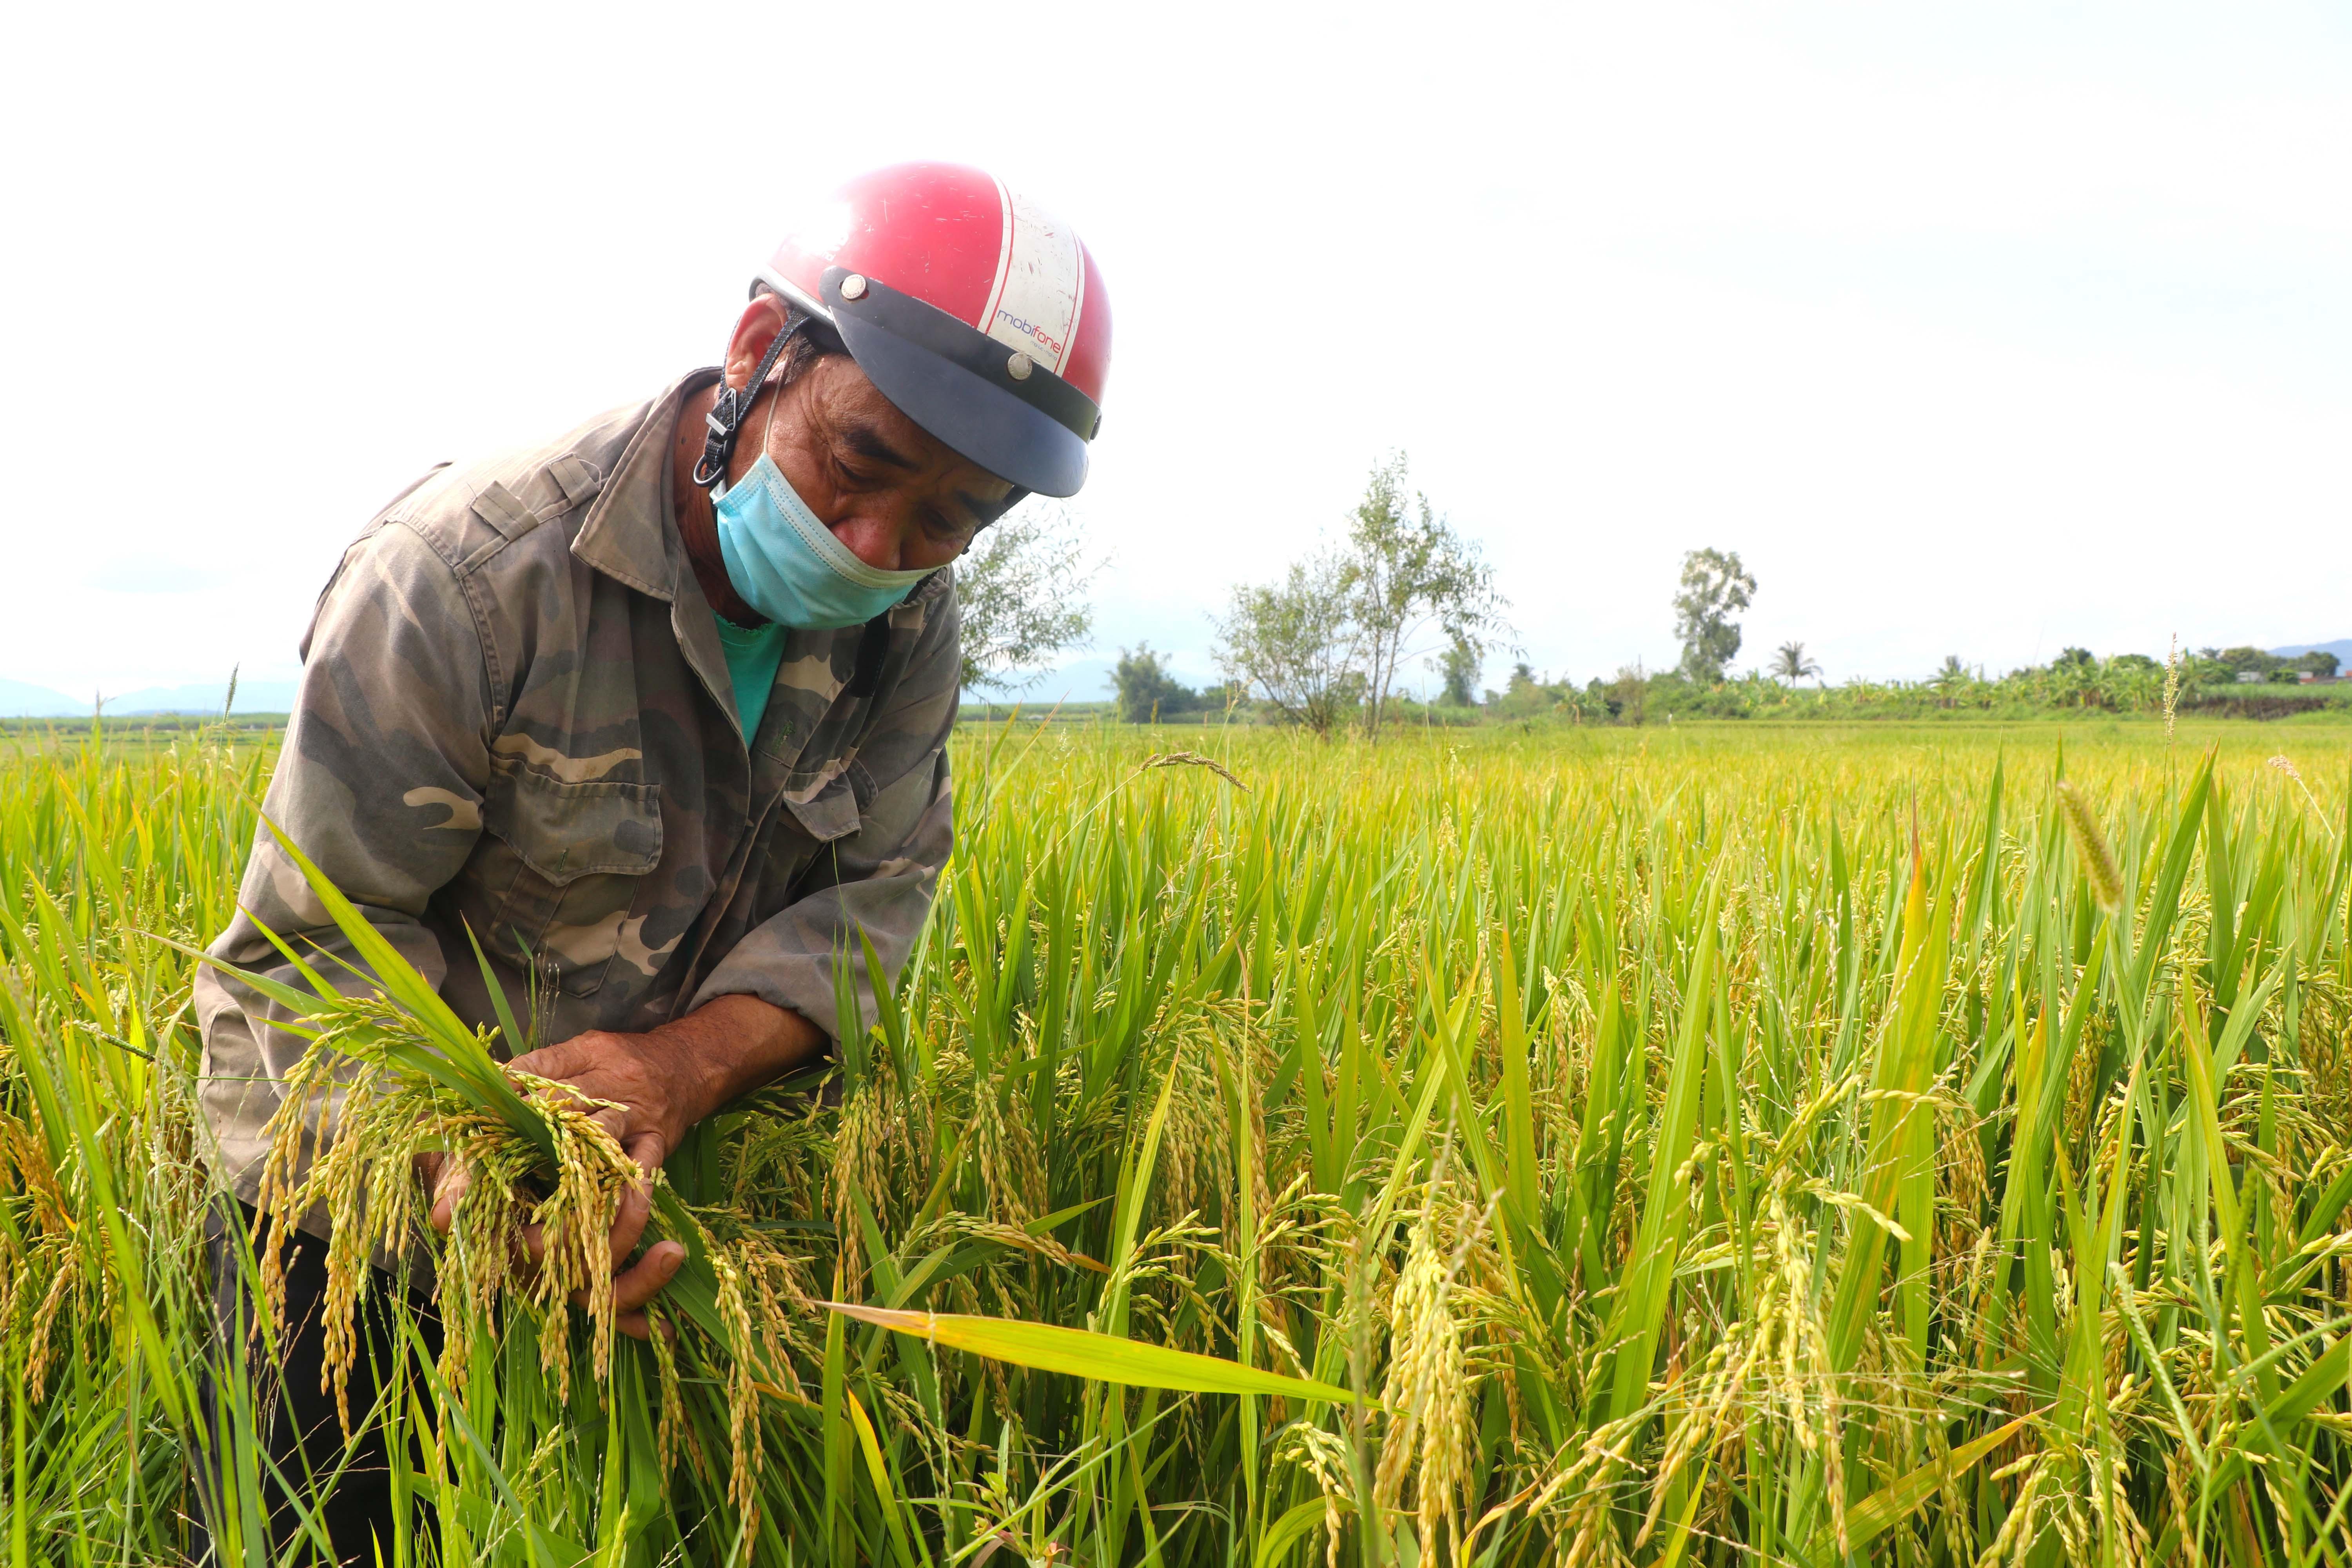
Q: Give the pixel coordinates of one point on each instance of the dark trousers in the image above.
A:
(293, 1418)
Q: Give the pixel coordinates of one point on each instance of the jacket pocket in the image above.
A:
(574, 858)
(804, 848)
(832, 813)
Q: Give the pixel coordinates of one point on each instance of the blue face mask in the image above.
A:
(788, 566)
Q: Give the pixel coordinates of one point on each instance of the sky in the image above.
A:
(1982, 330)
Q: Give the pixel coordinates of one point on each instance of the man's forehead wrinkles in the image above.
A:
(868, 442)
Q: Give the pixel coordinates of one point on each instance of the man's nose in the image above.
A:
(873, 541)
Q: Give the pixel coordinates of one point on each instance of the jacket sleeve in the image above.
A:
(380, 781)
(879, 879)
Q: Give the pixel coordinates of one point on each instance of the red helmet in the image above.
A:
(980, 315)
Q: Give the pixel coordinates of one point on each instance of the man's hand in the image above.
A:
(655, 1087)
(660, 1083)
(633, 1287)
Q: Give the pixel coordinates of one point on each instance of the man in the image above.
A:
(657, 713)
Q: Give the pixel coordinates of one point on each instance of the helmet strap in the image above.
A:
(728, 411)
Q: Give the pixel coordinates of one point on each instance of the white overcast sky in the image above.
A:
(1976, 329)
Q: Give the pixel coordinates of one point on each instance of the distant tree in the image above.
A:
(1951, 679)
(1792, 663)
(2253, 661)
(1290, 643)
(1021, 589)
(1628, 694)
(1714, 586)
(1523, 695)
(2129, 681)
(2204, 667)
(2320, 662)
(2076, 677)
(1410, 573)
(1221, 696)
(1146, 692)
(1459, 664)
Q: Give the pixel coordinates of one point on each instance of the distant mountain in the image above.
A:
(22, 699)
(205, 697)
(1080, 680)
(1088, 679)
(2341, 647)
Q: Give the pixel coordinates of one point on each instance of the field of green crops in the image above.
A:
(1659, 1149)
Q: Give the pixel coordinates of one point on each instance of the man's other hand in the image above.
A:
(659, 1084)
(631, 1287)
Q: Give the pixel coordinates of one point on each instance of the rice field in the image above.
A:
(1549, 1148)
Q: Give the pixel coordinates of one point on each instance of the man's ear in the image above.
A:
(755, 329)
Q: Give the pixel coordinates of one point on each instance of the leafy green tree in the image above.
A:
(1715, 586)
(1522, 696)
(1409, 575)
(1459, 664)
(1792, 664)
(1021, 589)
(1146, 692)
(1333, 635)
(2253, 661)
(2320, 662)
(1290, 642)
(2131, 682)
(2204, 667)
(1223, 696)
(1628, 694)
(1951, 681)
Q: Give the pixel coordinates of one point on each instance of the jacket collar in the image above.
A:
(631, 532)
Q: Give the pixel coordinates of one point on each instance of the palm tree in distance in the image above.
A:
(1792, 664)
(1951, 680)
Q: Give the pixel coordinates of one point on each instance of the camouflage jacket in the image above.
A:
(514, 718)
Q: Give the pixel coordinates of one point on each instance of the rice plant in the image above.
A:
(1583, 1148)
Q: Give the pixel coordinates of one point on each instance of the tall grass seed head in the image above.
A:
(2098, 861)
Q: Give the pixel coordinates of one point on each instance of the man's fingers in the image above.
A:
(648, 1150)
(636, 1204)
(629, 1222)
(628, 1227)
(637, 1326)
(639, 1284)
(547, 1061)
(645, 1279)
(451, 1179)
(564, 1066)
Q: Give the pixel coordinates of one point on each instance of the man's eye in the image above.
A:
(848, 475)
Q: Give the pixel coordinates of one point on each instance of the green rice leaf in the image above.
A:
(1080, 1353)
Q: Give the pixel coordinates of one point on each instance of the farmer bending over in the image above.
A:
(658, 712)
